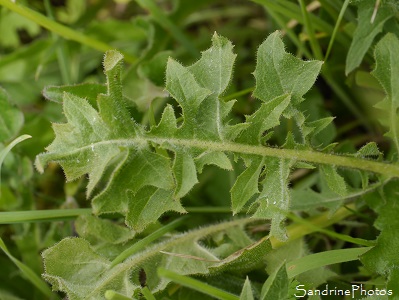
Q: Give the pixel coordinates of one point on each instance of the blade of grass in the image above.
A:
(196, 285)
(147, 293)
(62, 30)
(50, 215)
(112, 295)
(330, 233)
(337, 24)
(29, 274)
(63, 60)
(314, 44)
(296, 231)
(322, 259)
(237, 94)
(147, 240)
(314, 5)
(291, 34)
(209, 209)
(162, 19)
(292, 11)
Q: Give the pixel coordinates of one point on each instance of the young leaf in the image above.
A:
(246, 293)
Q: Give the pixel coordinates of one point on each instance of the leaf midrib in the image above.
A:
(194, 235)
(296, 154)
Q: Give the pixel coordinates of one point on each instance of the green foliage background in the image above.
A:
(273, 125)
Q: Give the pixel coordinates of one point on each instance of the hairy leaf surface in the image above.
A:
(128, 173)
(76, 268)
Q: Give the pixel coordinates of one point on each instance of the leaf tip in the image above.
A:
(111, 59)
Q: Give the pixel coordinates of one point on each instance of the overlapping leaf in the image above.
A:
(366, 31)
(91, 273)
(383, 258)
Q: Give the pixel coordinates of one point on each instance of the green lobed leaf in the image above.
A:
(76, 268)
(383, 258)
(274, 199)
(87, 144)
(366, 31)
(278, 72)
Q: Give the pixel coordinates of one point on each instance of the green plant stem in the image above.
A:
(209, 209)
(140, 245)
(162, 19)
(292, 11)
(343, 96)
(341, 15)
(330, 233)
(313, 224)
(61, 30)
(50, 215)
(390, 170)
(291, 34)
(62, 57)
(238, 94)
(317, 260)
(147, 293)
(196, 285)
(316, 49)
